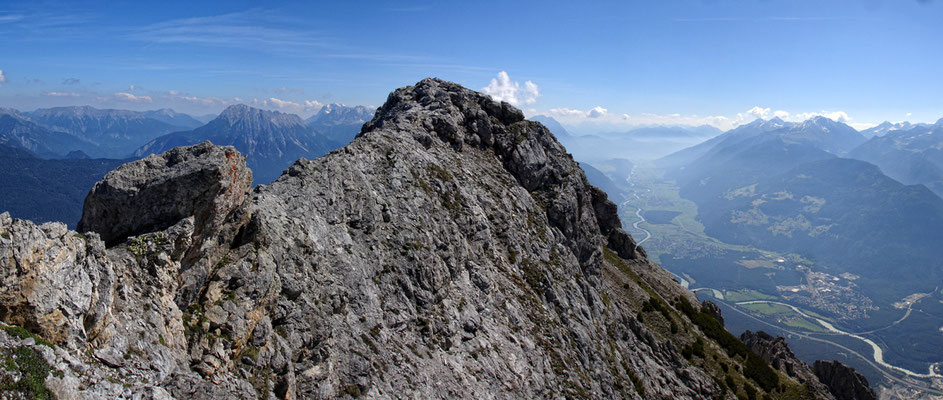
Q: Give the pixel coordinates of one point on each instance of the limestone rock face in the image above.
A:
(843, 381)
(452, 250)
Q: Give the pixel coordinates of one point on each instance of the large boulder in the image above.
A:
(151, 194)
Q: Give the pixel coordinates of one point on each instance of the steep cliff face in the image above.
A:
(778, 354)
(843, 381)
(453, 249)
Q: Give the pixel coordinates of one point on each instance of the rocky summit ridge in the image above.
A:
(452, 250)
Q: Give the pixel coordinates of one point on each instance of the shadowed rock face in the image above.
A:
(778, 354)
(151, 194)
(843, 381)
(453, 249)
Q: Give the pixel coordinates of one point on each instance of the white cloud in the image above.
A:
(571, 113)
(839, 116)
(766, 113)
(597, 112)
(206, 101)
(758, 112)
(132, 98)
(305, 107)
(61, 94)
(503, 88)
(909, 114)
(130, 88)
(862, 126)
(3, 78)
(566, 112)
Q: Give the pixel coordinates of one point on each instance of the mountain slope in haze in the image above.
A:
(911, 156)
(826, 134)
(820, 132)
(171, 117)
(887, 126)
(781, 190)
(553, 125)
(601, 180)
(644, 143)
(667, 132)
(112, 133)
(687, 155)
(270, 140)
(47, 190)
(453, 249)
(19, 131)
(842, 212)
(340, 123)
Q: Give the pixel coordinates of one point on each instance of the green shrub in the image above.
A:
(760, 372)
(32, 368)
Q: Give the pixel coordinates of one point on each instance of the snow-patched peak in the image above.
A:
(241, 113)
(887, 127)
(336, 114)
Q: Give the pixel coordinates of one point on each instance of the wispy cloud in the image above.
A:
(124, 96)
(241, 29)
(47, 25)
(70, 81)
(9, 18)
(3, 78)
(60, 94)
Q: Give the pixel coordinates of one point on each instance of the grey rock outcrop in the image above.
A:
(778, 354)
(715, 311)
(453, 249)
(153, 193)
(843, 381)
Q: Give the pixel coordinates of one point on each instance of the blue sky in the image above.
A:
(633, 62)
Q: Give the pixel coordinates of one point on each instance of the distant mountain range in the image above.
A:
(782, 186)
(340, 123)
(271, 140)
(913, 155)
(111, 133)
(643, 143)
(887, 126)
(18, 131)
